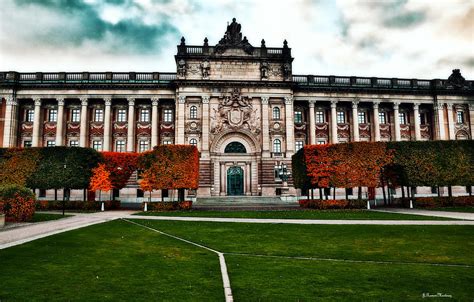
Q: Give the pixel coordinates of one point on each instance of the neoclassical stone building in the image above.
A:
(241, 105)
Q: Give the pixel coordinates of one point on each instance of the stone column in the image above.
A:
(222, 179)
(439, 117)
(265, 128)
(37, 124)
(290, 128)
(180, 121)
(154, 122)
(376, 122)
(451, 125)
(205, 127)
(312, 123)
(60, 123)
(355, 121)
(396, 120)
(107, 125)
(334, 139)
(416, 112)
(84, 124)
(471, 119)
(9, 127)
(131, 125)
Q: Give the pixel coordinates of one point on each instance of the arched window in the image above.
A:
(193, 112)
(235, 147)
(277, 146)
(276, 113)
(193, 142)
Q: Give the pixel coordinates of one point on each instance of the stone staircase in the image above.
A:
(243, 203)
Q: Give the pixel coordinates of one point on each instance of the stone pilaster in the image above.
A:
(376, 121)
(451, 124)
(37, 124)
(471, 119)
(439, 118)
(84, 124)
(180, 120)
(312, 123)
(334, 139)
(416, 113)
(107, 124)
(396, 120)
(355, 121)
(60, 123)
(290, 128)
(265, 128)
(205, 127)
(154, 122)
(11, 122)
(131, 125)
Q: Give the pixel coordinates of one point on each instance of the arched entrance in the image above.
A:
(235, 181)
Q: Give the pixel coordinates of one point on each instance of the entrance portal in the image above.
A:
(235, 181)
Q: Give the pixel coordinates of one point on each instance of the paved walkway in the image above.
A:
(26, 233)
(444, 214)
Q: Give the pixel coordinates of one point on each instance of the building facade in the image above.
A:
(241, 105)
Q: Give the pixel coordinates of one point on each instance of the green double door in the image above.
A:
(235, 181)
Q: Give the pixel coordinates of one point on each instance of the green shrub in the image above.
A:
(17, 203)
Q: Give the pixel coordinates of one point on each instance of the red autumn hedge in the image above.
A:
(17, 203)
(121, 166)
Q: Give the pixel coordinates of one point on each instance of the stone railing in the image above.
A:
(270, 52)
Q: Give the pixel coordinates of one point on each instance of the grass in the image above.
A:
(39, 217)
(298, 214)
(122, 261)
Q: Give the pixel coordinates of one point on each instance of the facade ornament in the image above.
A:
(264, 100)
(438, 106)
(355, 104)
(376, 104)
(396, 105)
(205, 99)
(181, 99)
(416, 106)
(264, 70)
(205, 69)
(131, 101)
(84, 101)
(108, 101)
(10, 100)
(456, 80)
(334, 103)
(60, 101)
(181, 68)
(288, 100)
(37, 101)
(154, 101)
(471, 106)
(233, 38)
(311, 103)
(286, 68)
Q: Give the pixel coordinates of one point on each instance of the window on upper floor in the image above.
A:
(121, 115)
(193, 142)
(277, 146)
(382, 118)
(75, 115)
(30, 115)
(320, 117)
(276, 113)
(144, 115)
(402, 118)
(168, 115)
(361, 117)
(341, 117)
(53, 115)
(193, 112)
(98, 115)
(459, 117)
(298, 117)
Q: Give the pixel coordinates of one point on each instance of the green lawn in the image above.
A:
(297, 214)
(38, 217)
(122, 261)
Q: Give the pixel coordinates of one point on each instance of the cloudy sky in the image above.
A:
(399, 38)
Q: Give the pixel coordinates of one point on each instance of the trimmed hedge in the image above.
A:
(322, 204)
(163, 206)
(17, 203)
(438, 202)
(50, 205)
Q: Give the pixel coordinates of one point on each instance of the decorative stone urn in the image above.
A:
(2, 220)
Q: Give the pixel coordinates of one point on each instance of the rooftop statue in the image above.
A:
(233, 38)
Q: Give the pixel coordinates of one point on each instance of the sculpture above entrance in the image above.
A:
(233, 38)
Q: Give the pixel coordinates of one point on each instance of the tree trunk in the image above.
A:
(312, 193)
(64, 199)
(321, 194)
(84, 195)
(347, 195)
(359, 193)
(334, 194)
(450, 191)
(384, 196)
(56, 194)
(180, 194)
(403, 192)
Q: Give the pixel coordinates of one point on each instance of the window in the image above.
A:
(422, 118)
(75, 115)
(53, 115)
(277, 146)
(459, 117)
(99, 115)
(382, 119)
(120, 146)
(30, 115)
(97, 145)
(321, 142)
(401, 118)
(27, 144)
(298, 117)
(167, 142)
(50, 143)
(121, 115)
(143, 146)
(193, 142)
(168, 115)
(341, 117)
(361, 118)
(73, 143)
(193, 112)
(144, 115)
(276, 113)
(298, 145)
(319, 117)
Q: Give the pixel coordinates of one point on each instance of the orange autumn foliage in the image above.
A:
(100, 180)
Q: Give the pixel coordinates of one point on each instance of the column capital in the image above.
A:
(154, 101)
(205, 99)
(37, 101)
(181, 99)
(264, 100)
(471, 106)
(396, 105)
(84, 101)
(376, 104)
(334, 104)
(131, 101)
(60, 101)
(288, 100)
(311, 103)
(355, 104)
(10, 100)
(438, 105)
(108, 101)
(416, 106)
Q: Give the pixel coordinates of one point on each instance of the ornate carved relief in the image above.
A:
(143, 129)
(49, 129)
(181, 69)
(193, 127)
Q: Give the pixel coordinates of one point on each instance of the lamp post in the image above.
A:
(284, 174)
(64, 190)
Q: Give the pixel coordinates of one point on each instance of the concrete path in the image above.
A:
(30, 232)
(309, 221)
(444, 214)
